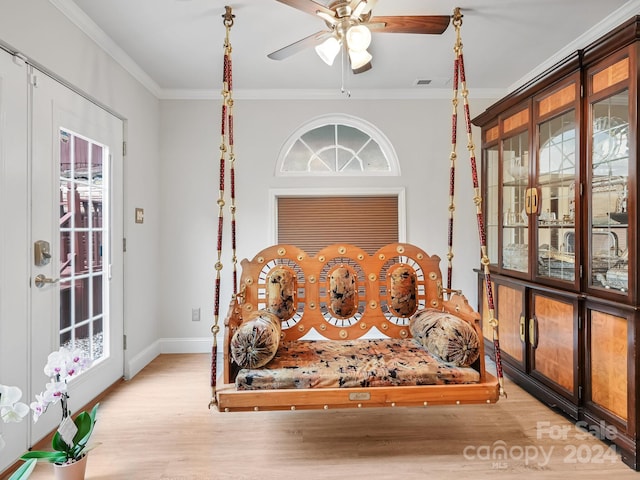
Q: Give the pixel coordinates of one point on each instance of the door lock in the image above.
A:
(41, 280)
(41, 253)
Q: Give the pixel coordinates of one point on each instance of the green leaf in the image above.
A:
(83, 422)
(42, 455)
(82, 441)
(25, 470)
(57, 443)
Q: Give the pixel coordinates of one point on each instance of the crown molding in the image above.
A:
(331, 94)
(80, 19)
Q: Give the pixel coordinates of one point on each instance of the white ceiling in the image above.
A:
(175, 46)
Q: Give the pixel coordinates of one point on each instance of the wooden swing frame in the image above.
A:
(226, 397)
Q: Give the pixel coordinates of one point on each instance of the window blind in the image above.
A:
(312, 223)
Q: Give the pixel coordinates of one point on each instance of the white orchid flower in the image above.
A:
(60, 365)
(56, 364)
(77, 362)
(54, 391)
(11, 408)
(38, 407)
(64, 363)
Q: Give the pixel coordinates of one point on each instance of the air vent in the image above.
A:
(437, 82)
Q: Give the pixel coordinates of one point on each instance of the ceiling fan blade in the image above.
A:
(429, 24)
(307, 42)
(308, 6)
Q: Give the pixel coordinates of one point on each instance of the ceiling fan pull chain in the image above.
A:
(343, 90)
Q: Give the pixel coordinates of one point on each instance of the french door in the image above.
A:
(76, 234)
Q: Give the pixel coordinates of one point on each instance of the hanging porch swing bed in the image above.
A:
(345, 328)
(431, 352)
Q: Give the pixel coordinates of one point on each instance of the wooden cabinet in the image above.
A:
(553, 328)
(561, 191)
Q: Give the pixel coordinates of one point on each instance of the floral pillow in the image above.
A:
(256, 341)
(446, 336)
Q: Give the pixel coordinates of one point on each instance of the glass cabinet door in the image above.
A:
(609, 185)
(556, 179)
(515, 201)
(608, 178)
(492, 206)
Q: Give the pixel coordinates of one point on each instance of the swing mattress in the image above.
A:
(353, 363)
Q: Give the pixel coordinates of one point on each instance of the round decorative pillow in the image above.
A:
(256, 341)
(446, 336)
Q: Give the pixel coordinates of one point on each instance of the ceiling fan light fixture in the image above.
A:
(359, 59)
(364, 68)
(328, 50)
(358, 38)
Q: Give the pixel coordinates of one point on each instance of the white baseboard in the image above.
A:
(134, 365)
(168, 345)
(186, 345)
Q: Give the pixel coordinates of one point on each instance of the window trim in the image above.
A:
(398, 192)
(350, 121)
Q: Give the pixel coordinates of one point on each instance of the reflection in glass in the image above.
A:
(492, 206)
(556, 217)
(82, 231)
(609, 222)
(515, 221)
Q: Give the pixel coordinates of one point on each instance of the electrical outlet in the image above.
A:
(195, 314)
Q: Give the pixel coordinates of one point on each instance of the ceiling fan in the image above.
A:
(349, 25)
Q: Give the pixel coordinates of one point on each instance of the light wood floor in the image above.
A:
(157, 426)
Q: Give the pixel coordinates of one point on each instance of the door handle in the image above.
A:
(533, 331)
(41, 280)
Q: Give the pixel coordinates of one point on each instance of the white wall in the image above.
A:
(190, 131)
(38, 30)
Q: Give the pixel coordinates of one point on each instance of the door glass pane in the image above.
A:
(556, 178)
(515, 222)
(82, 192)
(609, 218)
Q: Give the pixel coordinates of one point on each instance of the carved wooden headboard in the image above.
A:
(388, 288)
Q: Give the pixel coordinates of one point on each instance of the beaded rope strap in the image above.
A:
(226, 152)
(459, 79)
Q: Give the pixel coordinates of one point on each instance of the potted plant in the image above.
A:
(70, 441)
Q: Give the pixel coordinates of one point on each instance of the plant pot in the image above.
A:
(71, 471)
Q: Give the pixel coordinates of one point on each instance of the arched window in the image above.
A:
(337, 145)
